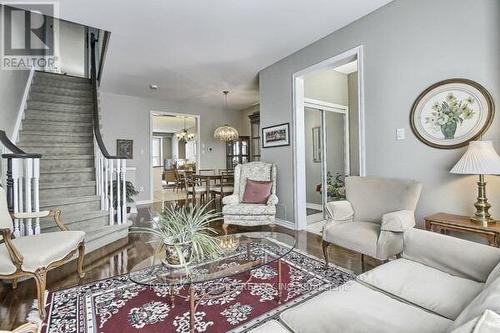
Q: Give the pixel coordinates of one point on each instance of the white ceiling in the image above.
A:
(172, 124)
(194, 49)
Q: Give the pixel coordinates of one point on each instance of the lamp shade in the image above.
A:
(226, 133)
(479, 159)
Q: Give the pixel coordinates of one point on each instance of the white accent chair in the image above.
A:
(32, 256)
(244, 214)
(373, 218)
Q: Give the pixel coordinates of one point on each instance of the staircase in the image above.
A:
(58, 125)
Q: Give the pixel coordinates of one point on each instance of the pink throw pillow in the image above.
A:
(257, 191)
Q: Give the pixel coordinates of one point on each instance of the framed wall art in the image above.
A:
(125, 148)
(451, 113)
(276, 136)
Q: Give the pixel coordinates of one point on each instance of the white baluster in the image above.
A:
(36, 193)
(20, 197)
(28, 163)
(97, 172)
(118, 193)
(125, 261)
(109, 185)
(124, 187)
(15, 177)
(105, 184)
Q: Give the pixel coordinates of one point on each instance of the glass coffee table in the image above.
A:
(204, 280)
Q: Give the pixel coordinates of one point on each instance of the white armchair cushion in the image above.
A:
(399, 221)
(40, 250)
(248, 209)
(272, 200)
(489, 322)
(340, 210)
(425, 286)
(230, 199)
(357, 236)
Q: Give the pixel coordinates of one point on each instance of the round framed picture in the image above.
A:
(451, 113)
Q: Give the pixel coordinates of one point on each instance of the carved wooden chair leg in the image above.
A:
(26, 328)
(325, 245)
(14, 283)
(81, 256)
(362, 262)
(224, 227)
(41, 284)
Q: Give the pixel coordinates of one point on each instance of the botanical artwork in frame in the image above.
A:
(276, 136)
(451, 113)
(125, 148)
(316, 143)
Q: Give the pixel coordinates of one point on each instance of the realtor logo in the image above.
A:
(28, 36)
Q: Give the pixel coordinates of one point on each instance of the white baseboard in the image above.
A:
(20, 114)
(314, 206)
(284, 223)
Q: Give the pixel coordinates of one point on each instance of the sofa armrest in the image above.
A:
(230, 199)
(340, 210)
(399, 221)
(272, 200)
(455, 256)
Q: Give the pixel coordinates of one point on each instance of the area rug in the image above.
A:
(118, 305)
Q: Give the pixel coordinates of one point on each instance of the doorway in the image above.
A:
(329, 134)
(174, 142)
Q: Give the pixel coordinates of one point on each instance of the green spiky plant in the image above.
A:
(188, 224)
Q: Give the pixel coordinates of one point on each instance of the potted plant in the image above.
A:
(335, 186)
(130, 193)
(185, 234)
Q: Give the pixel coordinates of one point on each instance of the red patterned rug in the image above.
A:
(118, 305)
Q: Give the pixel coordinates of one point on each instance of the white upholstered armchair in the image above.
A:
(246, 214)
(373, 218)
(32, 256)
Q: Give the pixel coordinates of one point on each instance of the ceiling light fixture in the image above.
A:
(153, 87)
(226, 133)
(184, 135)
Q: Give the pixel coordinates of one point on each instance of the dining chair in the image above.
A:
(197, 185)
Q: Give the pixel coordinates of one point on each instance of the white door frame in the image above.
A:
(298, 119)
(153, 113)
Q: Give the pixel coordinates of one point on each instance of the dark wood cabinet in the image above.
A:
(237, 152)
(255, 142)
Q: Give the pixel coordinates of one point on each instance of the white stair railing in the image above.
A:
(21, 180)
(111, 176)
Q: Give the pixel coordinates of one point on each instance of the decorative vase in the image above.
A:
(449, 130)
(174, 253)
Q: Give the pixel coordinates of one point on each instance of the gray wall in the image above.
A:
(408, 45)
(12, 84)
(127, 117)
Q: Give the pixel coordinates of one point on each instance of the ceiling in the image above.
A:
(195, 49)
(348, 68)
(172, 124)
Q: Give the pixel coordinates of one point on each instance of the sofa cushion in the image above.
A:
(357, 236)
(41, 250)
(494, 274)
(248, 209)
(271, 326)
(488, 299)
(356, 308)
(436, 291)
(488, 322)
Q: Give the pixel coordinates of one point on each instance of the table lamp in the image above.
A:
(479, 159)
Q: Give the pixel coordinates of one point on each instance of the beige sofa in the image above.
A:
(440, 284)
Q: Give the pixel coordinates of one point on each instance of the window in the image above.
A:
(157, 152)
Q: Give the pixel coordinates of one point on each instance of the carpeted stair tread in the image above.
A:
(71, 219)
(66, 170)
(59, 99)
(59, 91)
(67, 201)
(59, 107)
(67, 157)
(60, 133)
(54, 127)
(58, 116)
(61, 77)
(103, 231)
(52, 185)
(55, 145)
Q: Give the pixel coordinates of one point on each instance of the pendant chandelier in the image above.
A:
(226, 133)
(184, 135)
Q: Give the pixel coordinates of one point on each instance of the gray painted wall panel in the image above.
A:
(408, 45)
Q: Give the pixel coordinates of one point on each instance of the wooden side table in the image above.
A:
(443, 222)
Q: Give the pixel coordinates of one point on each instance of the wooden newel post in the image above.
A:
(10, 186)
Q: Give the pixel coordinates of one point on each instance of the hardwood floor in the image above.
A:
(119, 257)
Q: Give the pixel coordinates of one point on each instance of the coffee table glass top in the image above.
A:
(242, 252)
